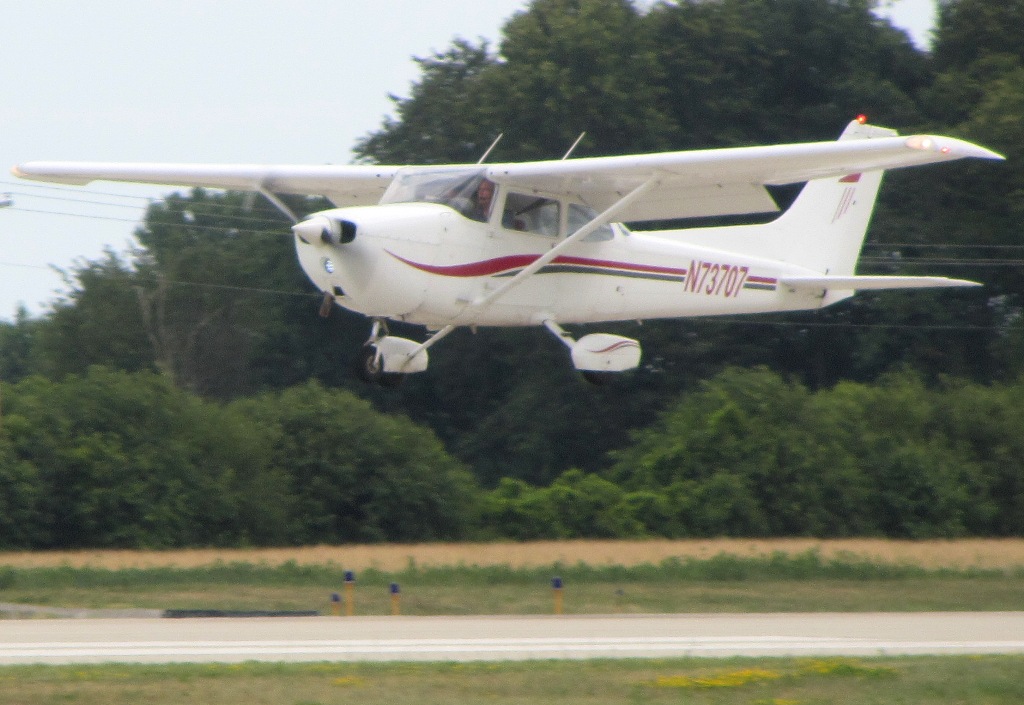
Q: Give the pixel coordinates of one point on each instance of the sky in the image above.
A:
(253, 81)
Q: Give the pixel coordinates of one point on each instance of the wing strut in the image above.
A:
(482, 303)
(601, 219)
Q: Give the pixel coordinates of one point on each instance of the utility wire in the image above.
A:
(217, 209)
(278, 227)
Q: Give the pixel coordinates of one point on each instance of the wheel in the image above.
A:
(370, 368)
(369, 365)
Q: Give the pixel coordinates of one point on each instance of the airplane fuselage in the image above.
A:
(427, 264)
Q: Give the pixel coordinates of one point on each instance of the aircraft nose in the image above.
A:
(326, 230)
(314, 229)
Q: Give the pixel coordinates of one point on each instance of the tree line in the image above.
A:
(212, 309)
(116, 459)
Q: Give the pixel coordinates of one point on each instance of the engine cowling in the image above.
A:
(357, 255)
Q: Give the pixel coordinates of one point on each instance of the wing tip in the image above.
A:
(50, 172)
(951, 147)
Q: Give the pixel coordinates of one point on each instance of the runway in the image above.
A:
(64, 641)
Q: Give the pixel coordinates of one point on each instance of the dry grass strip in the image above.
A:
(964, 553)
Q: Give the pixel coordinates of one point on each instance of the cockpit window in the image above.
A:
(580, 215)
(531, 214)
(466, 190)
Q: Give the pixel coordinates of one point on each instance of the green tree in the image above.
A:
(970, 30)
(127, 460)
(17, 338)
(742, 71)
(572, 66)
(212, 287)
(98, 322)
(436, 122)
(751, 454)
(358, 475)
(21, 495)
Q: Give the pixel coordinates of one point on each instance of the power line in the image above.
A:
(69, 189)
(949, 245)
(279, 227)
(875, 326)
(240, 212)
(200, 285)
(244, 213)
(276, 228)
(710, 319)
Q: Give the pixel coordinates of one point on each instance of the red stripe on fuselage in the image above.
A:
(502, 265)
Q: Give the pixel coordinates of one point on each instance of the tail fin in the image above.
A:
(824, 229)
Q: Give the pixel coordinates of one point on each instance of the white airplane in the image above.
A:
(542, 243)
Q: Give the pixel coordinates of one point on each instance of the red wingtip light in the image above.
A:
(862, 118)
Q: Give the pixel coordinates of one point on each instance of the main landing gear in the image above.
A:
(598, 356)
(386, 360)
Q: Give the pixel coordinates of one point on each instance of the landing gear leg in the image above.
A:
(370, 363)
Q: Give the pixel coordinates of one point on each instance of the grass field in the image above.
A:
(959, 554)
(599, 577)
(984, 680)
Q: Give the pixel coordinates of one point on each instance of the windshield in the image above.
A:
(465, 190)
(469, 192)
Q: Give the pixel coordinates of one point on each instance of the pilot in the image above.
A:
(483, 200)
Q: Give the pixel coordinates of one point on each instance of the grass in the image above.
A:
(599, 577)
(778, 582)
(956, 554)
(984, 680)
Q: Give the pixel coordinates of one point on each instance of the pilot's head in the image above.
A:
(484, 193)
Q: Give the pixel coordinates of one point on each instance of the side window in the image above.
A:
(581, 215)
(531, 214)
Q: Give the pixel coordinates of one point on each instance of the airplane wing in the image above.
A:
(688, 184)
(730, 181)
(344, 185)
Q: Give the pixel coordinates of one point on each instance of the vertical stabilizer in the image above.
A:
(824, 229)
(821, 232)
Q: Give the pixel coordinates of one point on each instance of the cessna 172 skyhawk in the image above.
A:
(542, 244)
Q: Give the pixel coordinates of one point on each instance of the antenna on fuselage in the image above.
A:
(574, 145)
(493, 145)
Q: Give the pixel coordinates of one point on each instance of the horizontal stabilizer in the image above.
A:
(868, 283)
